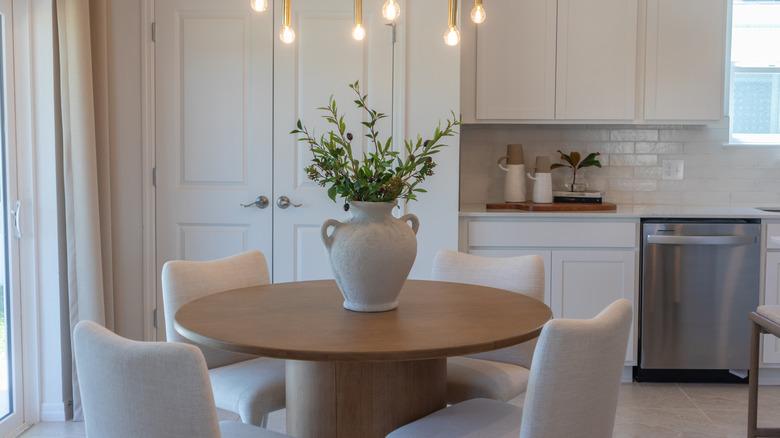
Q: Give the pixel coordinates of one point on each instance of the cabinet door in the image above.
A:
(546, 255)
(515, 61)
(685, 59)
(597, 56)
(772, 298)
(584, 282)
(213, 116)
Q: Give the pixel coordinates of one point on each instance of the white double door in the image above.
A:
(228, 92)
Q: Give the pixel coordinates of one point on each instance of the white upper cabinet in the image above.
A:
(686, 47)
(597, 54)
(595, 61)
(515, 61)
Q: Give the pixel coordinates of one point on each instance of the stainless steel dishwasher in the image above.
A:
(700, 280)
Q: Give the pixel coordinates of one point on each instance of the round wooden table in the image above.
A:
(361, 374)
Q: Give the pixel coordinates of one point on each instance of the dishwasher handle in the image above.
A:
(655, 239)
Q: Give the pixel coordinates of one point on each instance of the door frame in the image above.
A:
(149, 162)
(149, 148)
(29, 130)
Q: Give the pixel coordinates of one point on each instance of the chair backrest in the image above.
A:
(186, 281)
(575, 377)
(142, 389)
(523, 274)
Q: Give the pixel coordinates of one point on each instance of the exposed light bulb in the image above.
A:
(478, 13)
(259, 5)
(359, 32)
(391, 10)
(287, 35)
(452, 36)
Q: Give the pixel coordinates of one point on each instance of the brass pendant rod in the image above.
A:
(453, 13)
(287, 10)
(358, 12)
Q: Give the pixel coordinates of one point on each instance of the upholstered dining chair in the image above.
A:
(765, 320)
(247, 385)
(501, 374)
(135, 389)
(573, 390)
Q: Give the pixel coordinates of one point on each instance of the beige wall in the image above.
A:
(126, 169)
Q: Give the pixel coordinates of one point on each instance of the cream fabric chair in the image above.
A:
(501, 374)
(147, 389)
(249, 386)
(573, 391)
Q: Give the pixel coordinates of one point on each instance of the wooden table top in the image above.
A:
(306, 321)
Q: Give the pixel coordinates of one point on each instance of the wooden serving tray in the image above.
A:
(556, 207)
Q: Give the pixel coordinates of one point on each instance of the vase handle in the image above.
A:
(327, 239)
(502, 162)
(415, 222)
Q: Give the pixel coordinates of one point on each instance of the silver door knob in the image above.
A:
(284, 203)
(261, 202)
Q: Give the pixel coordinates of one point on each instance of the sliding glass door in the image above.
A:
(11, 403)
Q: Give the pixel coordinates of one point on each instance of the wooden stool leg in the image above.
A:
(755, 339)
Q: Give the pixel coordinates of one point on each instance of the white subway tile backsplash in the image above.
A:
(705, 198)
(659, 148)
(633, 185)
(634, 135)
(658, 198)
(755, 198)
(648, 172)
(622, 147)
(632, 158)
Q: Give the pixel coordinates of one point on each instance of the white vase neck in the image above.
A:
(371, 211)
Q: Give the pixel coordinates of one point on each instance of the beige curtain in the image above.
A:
(83, 68)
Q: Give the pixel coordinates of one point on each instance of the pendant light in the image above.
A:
(358, 32)
(478, 12)
(391, 10)
(287, 34)
(259, 5)
(452, 35)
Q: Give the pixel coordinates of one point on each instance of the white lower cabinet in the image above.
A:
(584, 282)
(588, 264)
(772, 298)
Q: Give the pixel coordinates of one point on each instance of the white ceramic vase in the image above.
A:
(514, 183)
(371, 255)
(543, 193)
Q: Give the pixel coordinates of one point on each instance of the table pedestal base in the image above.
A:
(361, 399)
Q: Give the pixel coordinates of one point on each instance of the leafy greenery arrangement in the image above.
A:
(575, 162)
(382, 175)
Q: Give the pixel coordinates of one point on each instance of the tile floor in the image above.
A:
(644, 410)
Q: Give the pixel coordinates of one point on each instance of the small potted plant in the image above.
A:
(575, 162)
(372, 254)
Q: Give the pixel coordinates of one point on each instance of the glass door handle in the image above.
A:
(261, 202)
(15, 213)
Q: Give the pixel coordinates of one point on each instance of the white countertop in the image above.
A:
(630, 212)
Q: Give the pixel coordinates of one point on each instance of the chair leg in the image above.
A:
(755, 339)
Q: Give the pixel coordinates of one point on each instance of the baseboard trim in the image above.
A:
(20, 430)
(55, 412)
(628, 375)
(769, 376)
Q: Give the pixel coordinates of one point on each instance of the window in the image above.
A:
(755, 72)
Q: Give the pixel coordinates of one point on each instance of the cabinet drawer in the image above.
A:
(559, 234)
(773, 236)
